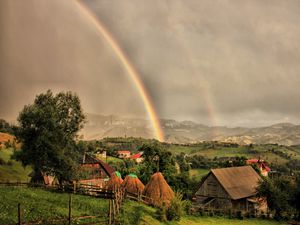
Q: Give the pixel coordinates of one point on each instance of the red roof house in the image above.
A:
(124, 154)
(137, 157)
(263, 167)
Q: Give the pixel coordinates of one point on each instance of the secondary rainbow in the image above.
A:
(129, 68)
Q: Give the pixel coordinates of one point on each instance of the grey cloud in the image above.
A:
(245, 54)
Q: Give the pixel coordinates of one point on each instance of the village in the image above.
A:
(164, 182)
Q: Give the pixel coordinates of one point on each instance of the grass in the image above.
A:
(110, 159)
(198, 173)
(12, 170)
(38, 204)
(263, 151)
(191, 220)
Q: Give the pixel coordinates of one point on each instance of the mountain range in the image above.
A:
(100, 126)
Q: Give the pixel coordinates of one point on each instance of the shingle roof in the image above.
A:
(238, 182)
(92, 160)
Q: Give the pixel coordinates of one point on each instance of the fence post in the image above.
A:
(70, 208)
(19, 214)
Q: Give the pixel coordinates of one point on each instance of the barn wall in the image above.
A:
(212, 188)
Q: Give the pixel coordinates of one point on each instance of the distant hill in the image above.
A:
(99, 126)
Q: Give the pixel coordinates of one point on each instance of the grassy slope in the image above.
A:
(262, 151)
(198, 173)
(14, 172)
(39, 204)
(43, 205)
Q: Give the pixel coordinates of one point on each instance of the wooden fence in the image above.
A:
(116, 199)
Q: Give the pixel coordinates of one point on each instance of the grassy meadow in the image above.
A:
(38, 204)
(11, 170)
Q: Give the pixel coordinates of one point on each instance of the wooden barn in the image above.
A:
(232, 188)
(94, 171)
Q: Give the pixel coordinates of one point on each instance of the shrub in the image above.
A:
(9, 163)
(161, 214)
(2, 162)
(176, 208)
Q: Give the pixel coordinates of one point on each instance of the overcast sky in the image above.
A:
(235, 60)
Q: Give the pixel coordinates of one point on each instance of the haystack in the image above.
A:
(158, 191)
(115, 181)
(132, 184)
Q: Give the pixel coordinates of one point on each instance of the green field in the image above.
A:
(198, 173)
(266, 152)
(12, 170)
(38, 204)
(110, 159)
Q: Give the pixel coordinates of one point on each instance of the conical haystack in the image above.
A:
(115, 181)
(158, 191)
(132, 184)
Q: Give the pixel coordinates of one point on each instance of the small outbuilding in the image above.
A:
(232, 188)
(158, 191)
(94, 171)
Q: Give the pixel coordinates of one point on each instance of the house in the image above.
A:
(124, 154)
(137, 157)
(263, 167)
(232, 188)
(94, 171)
(101, 154)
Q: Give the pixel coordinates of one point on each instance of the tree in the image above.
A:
(156, 159)
(280, 195)
(6, 127)
(48, 130)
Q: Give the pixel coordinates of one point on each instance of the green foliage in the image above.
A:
(5, 127)
(47, 130)
(156, 159)
(177, 207)
(11, 170)
(37, 204)
(280, 193)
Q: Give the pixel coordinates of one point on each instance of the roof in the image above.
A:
(92, 160)
(124, 151)
(238, 182)
(137, 155)
(261, 162)
(252, 160)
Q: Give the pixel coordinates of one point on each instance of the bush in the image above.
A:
(2, 162)
(161, 214)
(176, 208)
(9, 163)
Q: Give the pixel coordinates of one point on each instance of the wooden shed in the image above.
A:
(94, 171)
(231, 188)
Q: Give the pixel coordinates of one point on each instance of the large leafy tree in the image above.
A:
(280, 195)
(47, 130)
(156, 159)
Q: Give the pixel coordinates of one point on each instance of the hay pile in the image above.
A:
(132, 184)
(158, 191)
(115, 181)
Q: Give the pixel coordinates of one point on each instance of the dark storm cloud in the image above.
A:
(239, 57)
(245, 53)
(49, 44)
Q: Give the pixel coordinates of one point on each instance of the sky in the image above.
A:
(222, 62)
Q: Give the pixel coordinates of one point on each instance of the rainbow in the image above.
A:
(134, 75)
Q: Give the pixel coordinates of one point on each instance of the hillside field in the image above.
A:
(38, 204)
(11, 170)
